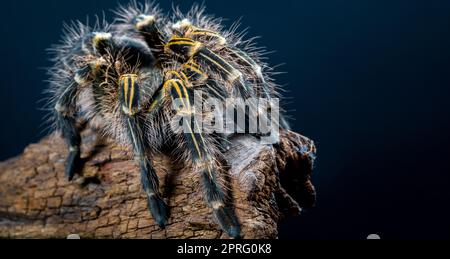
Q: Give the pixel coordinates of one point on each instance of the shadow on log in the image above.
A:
(106, 200)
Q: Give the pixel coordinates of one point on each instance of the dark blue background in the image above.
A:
(368, 81)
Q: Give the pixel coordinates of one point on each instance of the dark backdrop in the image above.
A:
(367, 80)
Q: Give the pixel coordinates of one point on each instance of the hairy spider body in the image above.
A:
(124, 78)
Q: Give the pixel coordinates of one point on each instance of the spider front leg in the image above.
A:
(129, 99)
(66, 123)
(214, 192)
(202, 148)
(66, 114)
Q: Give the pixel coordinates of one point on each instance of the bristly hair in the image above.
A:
(196, 15)
(74, 31)
(235, 37)
(61, 72)
(97, 77)
(126, 13)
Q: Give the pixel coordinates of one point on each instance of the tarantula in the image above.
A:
(124, 77)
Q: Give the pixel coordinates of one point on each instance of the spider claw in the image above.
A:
(72, 163)
(159, 210)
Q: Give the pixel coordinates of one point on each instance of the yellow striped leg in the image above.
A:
(129, 97)
(199, 145)
(189, 49)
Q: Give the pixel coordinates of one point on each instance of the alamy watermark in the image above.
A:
(195, 114)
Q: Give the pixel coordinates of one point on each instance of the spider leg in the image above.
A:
(239, 56)
(66, 122)
(66, 116)
(198, 56)
(133, 51)
(66, 106)
(215, 90)
(205, 35)
(189, 49)
(188, 30)
(201, 148)
(129, 99)
(246, 61)
(148, 28)
(192, 76)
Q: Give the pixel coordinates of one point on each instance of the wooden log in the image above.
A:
(106, 199)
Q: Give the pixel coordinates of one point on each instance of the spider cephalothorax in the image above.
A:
(125, 77)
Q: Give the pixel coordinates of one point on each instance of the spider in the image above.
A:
(124, 77)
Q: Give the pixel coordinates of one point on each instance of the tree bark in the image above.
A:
(106, 200)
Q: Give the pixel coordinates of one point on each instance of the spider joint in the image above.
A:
(100, 38)
(217, 205)
(182, 25)
(143, 21)
(73, 148)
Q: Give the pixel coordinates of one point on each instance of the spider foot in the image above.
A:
(159, 210)
(228, 221)
(73, 162)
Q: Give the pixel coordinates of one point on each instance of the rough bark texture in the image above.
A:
(106, 200)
